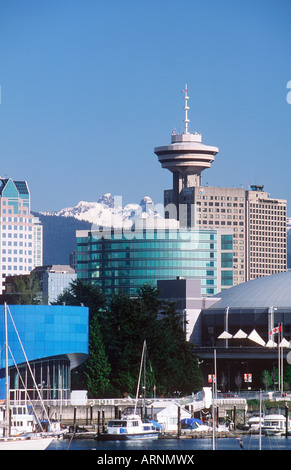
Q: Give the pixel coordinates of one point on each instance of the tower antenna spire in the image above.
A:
(186, 107)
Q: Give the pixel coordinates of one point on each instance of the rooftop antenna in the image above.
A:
(186, 107)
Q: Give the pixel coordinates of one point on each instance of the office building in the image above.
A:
(17, 230)
(127, 259)
(186, 294)
(54, 280)
(258, 221)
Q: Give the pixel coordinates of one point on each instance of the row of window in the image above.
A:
(133, 264)
(221, 222)
(11, 211)
(16, 260)
(17, 268)
(16, 235)
(221, 198)
(195, 254)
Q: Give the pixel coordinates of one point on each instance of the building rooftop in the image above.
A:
(54, 268)
(268, 291)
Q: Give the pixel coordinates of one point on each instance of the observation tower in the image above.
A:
(186, 157)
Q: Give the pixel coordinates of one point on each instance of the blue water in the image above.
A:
(249, 443)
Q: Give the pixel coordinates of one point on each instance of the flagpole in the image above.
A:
(279, 330)
(279, 364)
(282, 352)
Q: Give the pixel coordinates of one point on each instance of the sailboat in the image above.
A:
(131, 426)
(20, 435)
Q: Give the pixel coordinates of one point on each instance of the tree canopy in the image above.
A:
(24, 290)
(117, 329)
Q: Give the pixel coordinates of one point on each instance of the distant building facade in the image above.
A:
(38, 242)
(257, 221)
(125, 260)
(186, 294)
(19, 251)
(54, 279)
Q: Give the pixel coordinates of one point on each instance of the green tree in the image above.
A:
(117, 330)
(84, 376)
(97, 368)
(180, 370)
(287, 377)
(23, 290)
(83, 293)
(123, 337)
(266, 379)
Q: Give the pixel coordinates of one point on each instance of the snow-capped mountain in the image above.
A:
(109, 212)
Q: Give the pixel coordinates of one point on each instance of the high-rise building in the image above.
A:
(17, 239)
(267, 233)
(126, 259)
(257, 221)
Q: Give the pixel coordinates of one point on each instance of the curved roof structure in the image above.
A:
(45, 331)
(268, 291)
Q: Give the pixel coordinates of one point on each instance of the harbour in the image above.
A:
(250, 442)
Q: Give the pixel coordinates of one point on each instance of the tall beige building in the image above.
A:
(266, 228)
(257, 221)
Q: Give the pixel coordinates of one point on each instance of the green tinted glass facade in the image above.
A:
(126, 260)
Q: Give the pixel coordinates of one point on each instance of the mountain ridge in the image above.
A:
(107, 212)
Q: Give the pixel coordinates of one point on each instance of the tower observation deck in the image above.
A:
(186, 157)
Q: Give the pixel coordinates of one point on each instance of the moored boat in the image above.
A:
(253, 424)
(25, 442)
(128, 427)
(275, 424)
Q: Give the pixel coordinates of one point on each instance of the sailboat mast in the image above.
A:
(139, 377)
(144, 379)
(7, 401)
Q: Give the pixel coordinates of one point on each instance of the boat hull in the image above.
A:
(126, 437)
(273, 432)
(25, 444)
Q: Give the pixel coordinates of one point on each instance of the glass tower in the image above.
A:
(124, 259)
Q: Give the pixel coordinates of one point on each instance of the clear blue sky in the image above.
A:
(90, 87)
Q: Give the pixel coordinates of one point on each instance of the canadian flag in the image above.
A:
(275, 330)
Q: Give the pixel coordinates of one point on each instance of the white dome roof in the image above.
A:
(268, 291)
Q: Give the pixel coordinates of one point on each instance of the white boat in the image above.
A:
(254, 423)
(25, 442)
(194, 425)
(275, 424)
(128, 428)
(21, 421)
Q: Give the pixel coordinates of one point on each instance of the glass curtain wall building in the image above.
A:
(124, 259)
(55, 340)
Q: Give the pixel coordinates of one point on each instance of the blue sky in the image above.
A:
(90, 87)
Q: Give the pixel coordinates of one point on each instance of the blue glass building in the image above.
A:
(55, 340)
(125, 259)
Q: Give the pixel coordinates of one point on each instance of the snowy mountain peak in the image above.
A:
(107, 199)
(108, 211)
